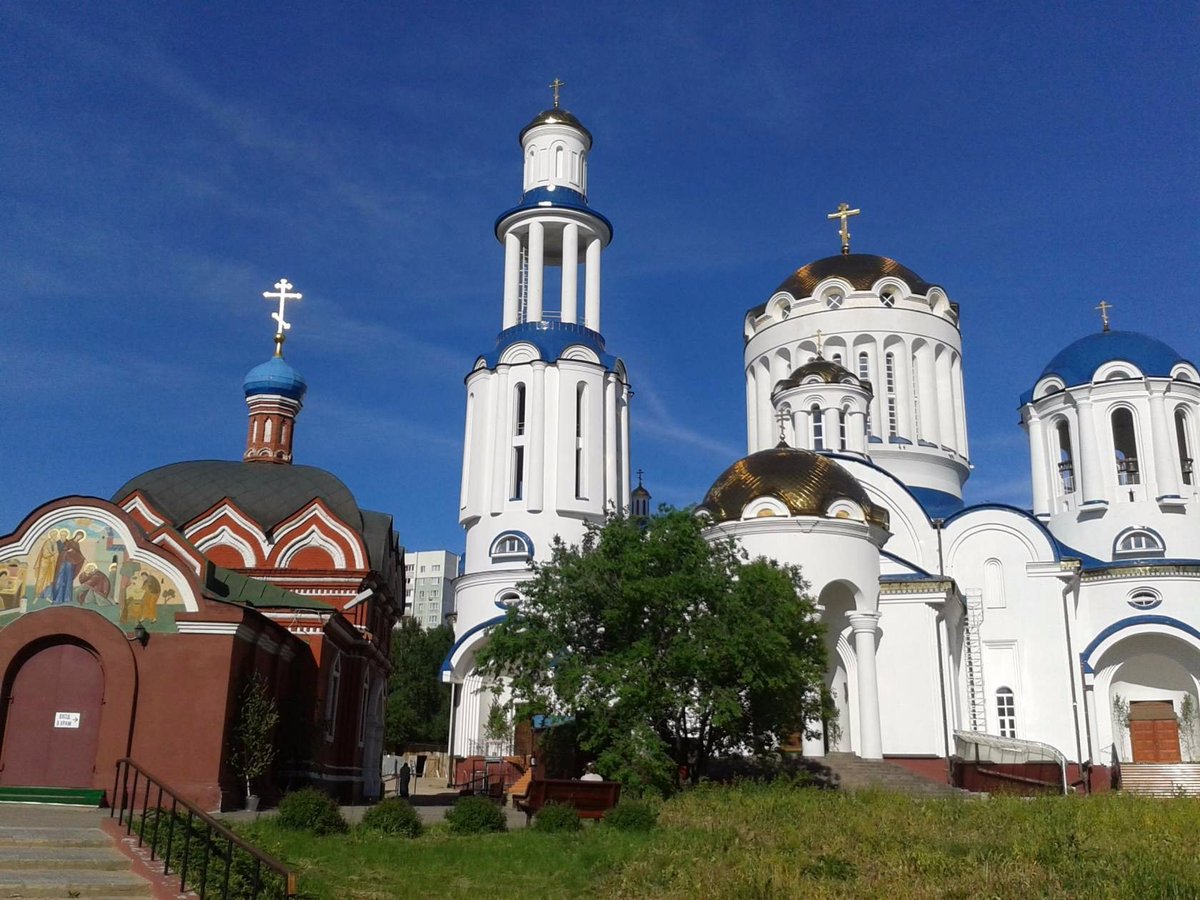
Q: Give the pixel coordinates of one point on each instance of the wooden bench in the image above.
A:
(591, 799)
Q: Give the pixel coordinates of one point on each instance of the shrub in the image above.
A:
(632, 815)
(310, 810)
(393, 816)
(556, 817)
(476, 815)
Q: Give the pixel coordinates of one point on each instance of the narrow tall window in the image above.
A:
(558, 162)
(864, 366)
(333, 687)
(837, 358)
(580, 413)
(889, 372)
(817, 427)
(843, 415)
(519, 410)
(1066, 462)
(518, 475)
(1184, 444)
(1006, 712)
(1125, 445)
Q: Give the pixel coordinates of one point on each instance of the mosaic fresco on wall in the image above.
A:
(82, 562)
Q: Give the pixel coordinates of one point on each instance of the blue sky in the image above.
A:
(163, 164)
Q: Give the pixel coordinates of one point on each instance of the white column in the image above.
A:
(960, 408)
(535, 439)
(813, 747)
(870, 739)
(570, 272)
(623, 446)
(832, 429)
(902, 358)
(930, 396)
(801, 430)
(512, 278)
(610, 440)
(766, 410)
(502, 436)
(1166, 463)
(751, 411)
(1039, 463)
(1091, 475)
(537, 242)
(945, 399)
(856, 424)
(591, 293)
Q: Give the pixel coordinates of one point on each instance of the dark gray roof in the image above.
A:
(266, 492)
(237, 588)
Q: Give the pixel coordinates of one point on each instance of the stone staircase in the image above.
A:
(61, 852)
(1161, 779)
(846, 771)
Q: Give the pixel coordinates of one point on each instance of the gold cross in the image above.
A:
(554, 86)
(283, 293)
(844, 212)
(781, 417)
(818, 339)
(1104, 307)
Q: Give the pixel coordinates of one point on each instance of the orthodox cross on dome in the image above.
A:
(1104, 307)
(554, 86)
(640, 473)
(844, 212)
(283, 293)
(781, 417)
(819, 338)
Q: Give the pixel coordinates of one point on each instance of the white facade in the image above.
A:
(428, 586)
(546, 446)
(1048, 625)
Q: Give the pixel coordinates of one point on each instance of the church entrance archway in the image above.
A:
(54, 706)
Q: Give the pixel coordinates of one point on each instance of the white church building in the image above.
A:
(1071, 624)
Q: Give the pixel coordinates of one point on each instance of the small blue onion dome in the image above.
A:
(1077, 362)
(275, 376)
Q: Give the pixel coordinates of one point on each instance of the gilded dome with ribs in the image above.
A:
(806, 482)
(824, 370)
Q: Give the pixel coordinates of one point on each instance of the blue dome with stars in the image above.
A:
(275, 376)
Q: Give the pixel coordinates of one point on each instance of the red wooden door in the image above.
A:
(1154, 732)
(53, 719)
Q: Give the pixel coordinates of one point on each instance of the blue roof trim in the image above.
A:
(446, 664)
(551, 339)
(1076, 363)
(908, 579)
(873, 439)
(904, 562)
(1087, 562)
(937, 504)
(1112, 629)
(1024, 514)
(896, 439)
(546, 198)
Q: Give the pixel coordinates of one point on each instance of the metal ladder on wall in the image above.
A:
(976, 696)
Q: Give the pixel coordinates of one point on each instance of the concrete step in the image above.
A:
(72, 883)
(1161, 779)
(45, 857)
(851, 772)
(55, 837)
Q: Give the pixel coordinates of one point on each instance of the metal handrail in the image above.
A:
(127, 810)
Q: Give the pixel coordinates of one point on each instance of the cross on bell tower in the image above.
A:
(844, 212)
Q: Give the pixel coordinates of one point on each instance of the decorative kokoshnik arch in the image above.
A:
(1163, 626)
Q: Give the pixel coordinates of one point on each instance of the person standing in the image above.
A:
(405, 777)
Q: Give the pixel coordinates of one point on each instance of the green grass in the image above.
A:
(759, 842)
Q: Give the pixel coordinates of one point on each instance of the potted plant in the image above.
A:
(254, 735)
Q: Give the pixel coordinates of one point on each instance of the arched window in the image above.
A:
(1066, 459)
(817, 425)
(888, 296)
(993, 585)
(1184, 443)
(1125, 445)
(559, 167)
(519, 409)
(580, 413)
(889, 375)
(916, 395)
(364, 701)
(1134, 543)
(511, 545)
(1006, 712)
(333, 687)
(864, 366)
(843, 415)
(837, 358)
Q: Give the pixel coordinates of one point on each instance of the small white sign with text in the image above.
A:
(66, 720)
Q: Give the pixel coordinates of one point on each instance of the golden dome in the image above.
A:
(806, 482)
(825, 370)
(556, 116)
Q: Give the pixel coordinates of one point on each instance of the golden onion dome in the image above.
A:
(824, 370)
(556, 116)
(806, 482)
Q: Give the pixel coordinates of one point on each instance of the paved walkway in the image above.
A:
(431, 807)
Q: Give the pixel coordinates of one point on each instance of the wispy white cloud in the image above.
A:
(655, 421)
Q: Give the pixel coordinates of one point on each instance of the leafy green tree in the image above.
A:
(418, 708)
(253, 752)
(666, 649)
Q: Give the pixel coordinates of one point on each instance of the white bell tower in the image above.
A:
(546, 447)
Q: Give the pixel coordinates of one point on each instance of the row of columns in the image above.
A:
(533, 244)
(1090, 472)
(938, 385)
(831, 427)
